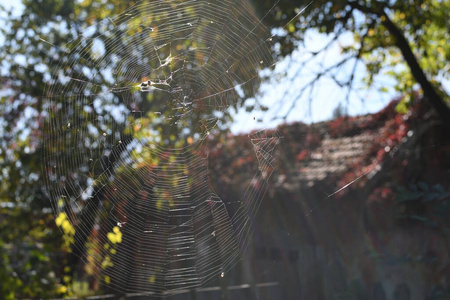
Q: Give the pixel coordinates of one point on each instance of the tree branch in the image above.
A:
(402, 43)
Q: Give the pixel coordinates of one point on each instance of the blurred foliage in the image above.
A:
(33, 253)
(425, 204)
(38, 44)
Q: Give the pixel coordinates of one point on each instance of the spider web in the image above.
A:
(131, 104)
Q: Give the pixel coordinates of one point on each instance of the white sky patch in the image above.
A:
(118, 112)
(98, 49)
(17, 6)
(92, 130)
(20, 59)
(87, 71)
(23, 124)
(107, 75)
(89, 31)
(239, 91)
(63, 79)
(41, 68)
(17, 9)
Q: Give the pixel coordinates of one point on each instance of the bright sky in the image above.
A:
(7, 4)
(283, 85)
(290, 75)
(16, 5)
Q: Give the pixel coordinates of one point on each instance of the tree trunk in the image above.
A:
(430, 93)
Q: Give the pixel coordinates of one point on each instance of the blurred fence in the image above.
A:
(267, 290)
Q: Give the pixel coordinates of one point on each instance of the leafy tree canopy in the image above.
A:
(408, 40)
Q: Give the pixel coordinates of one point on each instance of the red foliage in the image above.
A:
(381, 194)
(303, 155)
(348, 126)
(341, 126)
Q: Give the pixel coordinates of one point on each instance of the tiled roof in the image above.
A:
(334, 155)
(327, 155)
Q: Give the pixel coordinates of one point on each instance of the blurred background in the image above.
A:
(358, 203)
